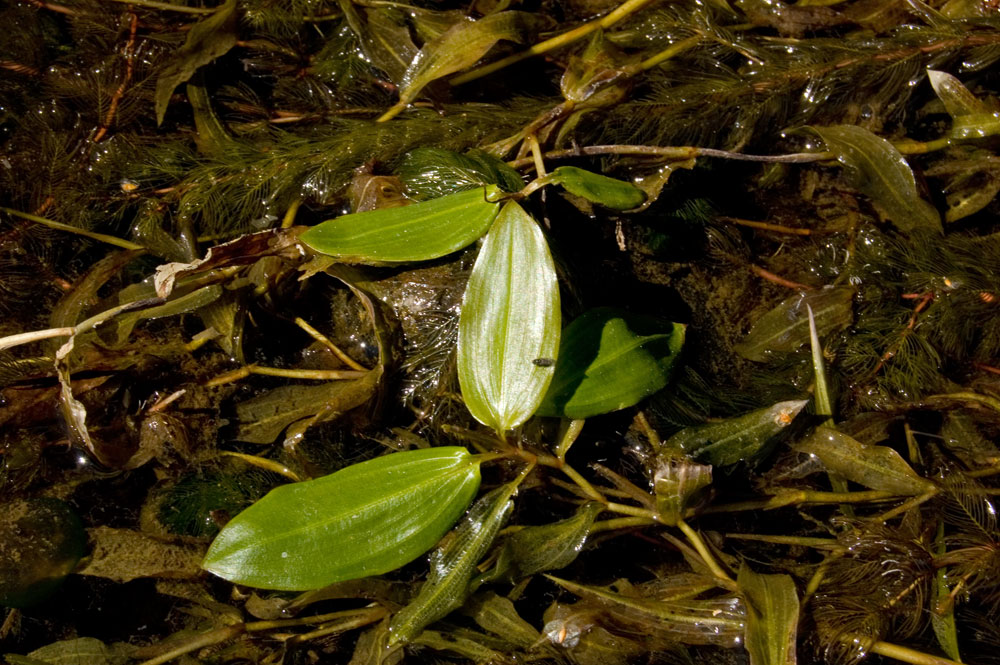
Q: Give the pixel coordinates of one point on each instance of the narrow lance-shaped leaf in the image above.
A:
(460, 47)
(875, 467)
(418, 232)
(786, 327)
(366, 519)
(454, 563)
(877, 169)
(737, 439)
(207, 40)
(772, 606)
(596, 188)
(943, 615)
(508, 331)
(970, 116)
(610, 360)
(498, 615)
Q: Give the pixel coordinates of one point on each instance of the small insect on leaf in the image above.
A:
(366, 519)
(418, 232)
(510, 318)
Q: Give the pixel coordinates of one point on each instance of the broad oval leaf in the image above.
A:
(596, 188)
(875, 467)
(418, 232)
(366, 519)
(508, 331)
(772, 606)
(610, 360)
(878, 170)
(428, 173)
(786, 327)
(454, 563)
(737, 439)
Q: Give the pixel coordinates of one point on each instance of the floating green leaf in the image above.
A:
(535, 549)
(417, 232)
(366, 519)
(610, 360)
(786, 327)
(772, 607)
(609, 192)
(875, 467)
(459, 47)
(428, 173)
(737, 439)
(454, 563)
(207, 40)
(510, 320)
(970, 117)
(877, 169)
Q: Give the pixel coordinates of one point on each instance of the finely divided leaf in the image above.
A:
(417, 232)
(454, 563)
(509, 323)
(428, 173)
(610, 360)
(875, 467)
(609, 192)
(207, 40)
(772, 606)
(877, 169)
(786, 327)
(366, 519)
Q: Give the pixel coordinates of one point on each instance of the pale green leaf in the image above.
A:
(207, 39)
(458, 644)
(188, 302)
(678, 482)
(943, 615)
(596, 188)
(737, 439)
(77, 651)
(610, 360)
(875, 467)
(772, 606)
(510, 320)
(366, 519)
(498, 615)
(821, 391)
(454, 563)
(461, 46)
(971, 118)
(877, 169)
(535, 549)
(786, 327)
(418, 232)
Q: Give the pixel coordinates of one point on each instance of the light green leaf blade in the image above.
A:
(366, 519)
(970, 116)
(786, 327)
(454, 563)
(498, 615)
(510, 319)
(460, 47)
(736, 439)
(877, 169)
(207, 40)
(596, 188)
(610, 360)
(772, 607)
(875, 467)
(418, 232)
(943, 615)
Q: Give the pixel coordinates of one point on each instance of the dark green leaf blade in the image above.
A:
(875, 467)
(366, 519)
(877, 169)
(610, 360)
(786, 327)
(418, 232)
(510, 318)
(596, 188)
(207, 40)
(454, 563)
(772, 607)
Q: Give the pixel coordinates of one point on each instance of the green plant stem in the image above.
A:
(908, 655)
(623, 10)
(52, 224)
(258, 626)
(669, 52)
(573, 429)
(801, 496)
(341, 626)
(985, 400)
(706, 556)
(153, 4)
(207, 639)
(801, 541)
(621, 523)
